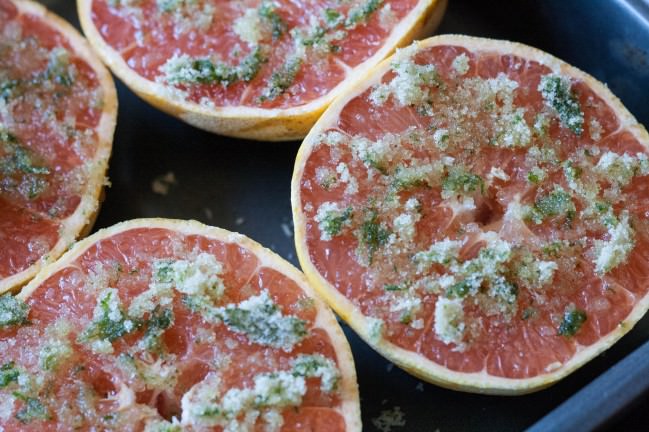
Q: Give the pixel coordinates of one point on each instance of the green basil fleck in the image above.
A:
(13, 312)
(572, 322)
(8, 374)
(33, 409)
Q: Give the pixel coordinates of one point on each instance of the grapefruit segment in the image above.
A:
(475, 210)
(56, 128)
(264, 70)
(27, 238)
(156, 323)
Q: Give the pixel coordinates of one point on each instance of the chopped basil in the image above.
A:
(18, 161)
(167, 5)
(32, 409)
(412, 177)
(203, 305)
(186, 70)
(7, 87)
(208, 72)
(373, 161)
(18, 158)
(459, 289)
(372, 234)
(269, 14)
(250, 65)
(535, 175)
(314, 37)
(53, 354)
(109, 320)
(258, 317)
(163, 426)
(405, 317)
(571, 171)
(556, 203)
(333, 222)
(57, 71)
(607, 217)
(212, 72)
(321, 36)
(12, 311)
(572, 322)
(443, 252)
(557, 94)
(307, 366)
(460, 181)
(8, 374)
(317, 365)
(332, 17)
(49, 358)
(216, 411)
(163, 271)
(159, 321)
(503, 290)
(58, 68)
(282, 79)
(265, 323)
(361, 12)
(553, 249)
(306, 303)
(602, 207)
(33, 187)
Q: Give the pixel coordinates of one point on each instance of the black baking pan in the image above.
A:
(163, 167)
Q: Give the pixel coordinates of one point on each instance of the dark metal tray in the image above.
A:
(245, 186)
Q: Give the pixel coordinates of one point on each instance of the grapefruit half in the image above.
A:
(476, 210)
(164, 325)
(263, 70)
(57, 117)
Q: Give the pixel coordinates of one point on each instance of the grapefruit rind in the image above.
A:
(79, 223)
(414, 363)
(258, 123)
(325, 319)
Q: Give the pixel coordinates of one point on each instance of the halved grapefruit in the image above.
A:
(57, 117)
(163, 325)
(261, 69)
(476, 211)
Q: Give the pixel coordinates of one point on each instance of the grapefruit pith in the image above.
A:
(163, 325)
(476, 211)
(260, 69)
(57, 117)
